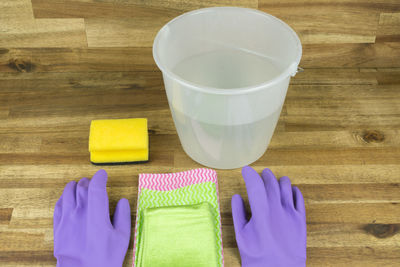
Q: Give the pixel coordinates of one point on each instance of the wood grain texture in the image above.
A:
(43, 33)
(20, 29)
(16, 9)
(64, 63)
(125, 8)
(321, 22)
(130, 32)
(389, 27)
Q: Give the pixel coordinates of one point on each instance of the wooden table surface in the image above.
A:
(64, 63)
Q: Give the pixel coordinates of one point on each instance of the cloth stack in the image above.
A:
(178, 221)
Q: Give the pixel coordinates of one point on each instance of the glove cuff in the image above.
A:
(68, 262)
(271, 263)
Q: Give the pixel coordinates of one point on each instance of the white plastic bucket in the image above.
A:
(226, 71)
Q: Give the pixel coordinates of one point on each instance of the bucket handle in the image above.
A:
(294, 69)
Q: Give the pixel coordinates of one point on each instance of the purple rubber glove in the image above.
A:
(83, 233)
(276, 233)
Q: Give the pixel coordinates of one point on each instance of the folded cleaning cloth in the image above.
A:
(183, 188)
(178, 236)
(171, 181)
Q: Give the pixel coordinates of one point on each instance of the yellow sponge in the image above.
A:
(118, 141)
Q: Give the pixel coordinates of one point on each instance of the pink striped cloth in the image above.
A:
(171, 181)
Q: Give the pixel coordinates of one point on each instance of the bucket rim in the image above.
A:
(289, 71)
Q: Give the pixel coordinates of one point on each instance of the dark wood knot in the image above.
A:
(21, 65)
(382, 230)
(373, 137)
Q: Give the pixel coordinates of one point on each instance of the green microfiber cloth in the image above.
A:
(178, 236)
(189, 195)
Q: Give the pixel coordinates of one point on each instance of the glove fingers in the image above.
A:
(286, 192)
(99, 181)
(57, 213)
(68, 197)
(122, 217)
(255, 192)
(98, 207)
(82, 192)
(298, 200)
(239, 213)
(271, 185)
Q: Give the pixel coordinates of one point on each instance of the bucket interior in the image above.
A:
(230, 47)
